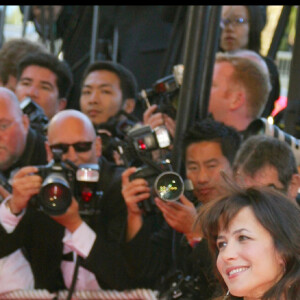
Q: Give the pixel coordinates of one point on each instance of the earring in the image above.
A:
(226, 296)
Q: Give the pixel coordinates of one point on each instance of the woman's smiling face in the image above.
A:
(247, 259)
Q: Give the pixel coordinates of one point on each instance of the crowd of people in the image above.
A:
(78, 207)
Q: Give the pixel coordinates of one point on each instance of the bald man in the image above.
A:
(54, 242)
(20, 145)
(70, 127)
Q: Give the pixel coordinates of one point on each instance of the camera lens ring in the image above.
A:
(169, 186)
(55, 195)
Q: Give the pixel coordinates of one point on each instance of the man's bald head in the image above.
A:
(67, 118)
(71, 127)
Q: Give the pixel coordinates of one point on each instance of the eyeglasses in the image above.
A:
(234, 22)
(78, 147)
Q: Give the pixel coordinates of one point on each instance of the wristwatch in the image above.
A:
(8, 206)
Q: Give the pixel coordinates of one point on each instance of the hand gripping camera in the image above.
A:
(164, 92)
(164, 183)
(62, 180)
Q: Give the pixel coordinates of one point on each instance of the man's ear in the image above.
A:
(62, 104)
(98, 144)
(26, 122)
(238, 98)
(48, 151)
(294, 186)
(129, 105)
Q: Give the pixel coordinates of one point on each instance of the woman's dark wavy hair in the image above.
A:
(257, 23)
(279, 215)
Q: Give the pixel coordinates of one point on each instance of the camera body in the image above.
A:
(115, 129)
(61, 181)
(164, 92)
(164, 183)
(35, 113)
(137, 149)
(145, 139)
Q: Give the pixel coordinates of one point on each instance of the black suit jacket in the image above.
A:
(158, 253)
(41, 238)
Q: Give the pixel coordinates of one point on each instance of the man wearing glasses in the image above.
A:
(53, 243)
(20, 145)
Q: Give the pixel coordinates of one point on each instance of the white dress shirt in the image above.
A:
(80, 242)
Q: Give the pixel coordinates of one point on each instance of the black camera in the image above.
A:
(139, 143)
(37, 117)
(164, 183)
(61, 181)
(144, 138)
(164, 92)
(137, 149)
(116, 128)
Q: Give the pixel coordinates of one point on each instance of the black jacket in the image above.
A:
(42, 237)
(157, 257)
(34, 153)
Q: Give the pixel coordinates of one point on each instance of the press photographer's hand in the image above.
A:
(155, 119)
(71, 218)
(179, 215)
(134, 192)
(26, 183)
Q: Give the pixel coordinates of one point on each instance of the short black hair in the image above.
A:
(128, 83)
(211, 130)
(49, 61)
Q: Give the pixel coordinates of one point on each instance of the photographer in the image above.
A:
(54, 242)
(46, 80)
(155, 118)
(209, 148)
(108, 98)
(20, 145)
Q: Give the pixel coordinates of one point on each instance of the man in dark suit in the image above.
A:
(54, 243)
(20, 145)
(155, 248)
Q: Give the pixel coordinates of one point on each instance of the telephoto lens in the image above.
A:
(55, 194)
(169, 186)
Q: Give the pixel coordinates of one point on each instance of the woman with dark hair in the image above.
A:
(241, 29)
(254, 235)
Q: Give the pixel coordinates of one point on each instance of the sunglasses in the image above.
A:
(78, 147)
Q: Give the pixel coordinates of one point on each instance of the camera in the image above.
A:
(144, 138)
(137, 149)
(37, 117)
(262, 126)
(139, 143)
(61, 181)
(164, 92)
(116, 128)
(164, 183)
